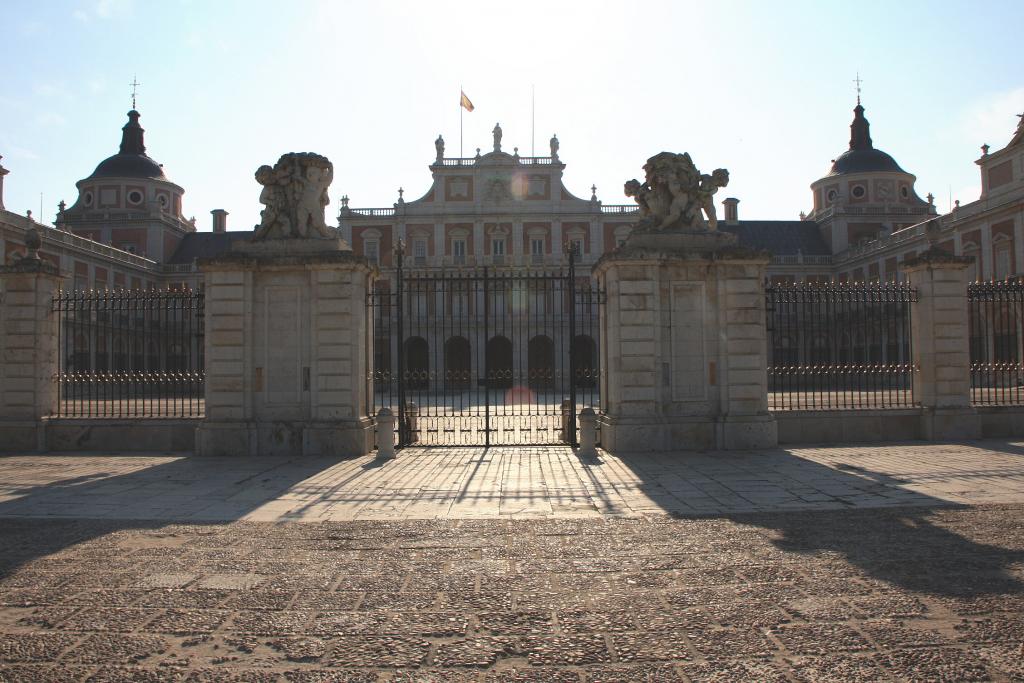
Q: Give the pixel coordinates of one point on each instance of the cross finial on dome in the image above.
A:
(858, 81)
(135, 86)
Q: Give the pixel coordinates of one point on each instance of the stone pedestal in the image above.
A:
(683, 345)
(940, 345)
(286, 346)
(28, 353)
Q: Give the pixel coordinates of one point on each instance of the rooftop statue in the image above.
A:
(674, 194)
(497, 137)
(439, 148)
(295, 194)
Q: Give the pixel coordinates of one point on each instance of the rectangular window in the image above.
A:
(371, 250)
(577, 247)
(459, 252)
(1002, 262)
(459, 301)
(419, 252)
(498, 251)
(537, 249)
(498, 299)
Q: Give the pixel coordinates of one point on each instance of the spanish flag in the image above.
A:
(464, 101)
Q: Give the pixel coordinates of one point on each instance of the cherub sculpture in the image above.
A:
(295, 195)
(675, 193)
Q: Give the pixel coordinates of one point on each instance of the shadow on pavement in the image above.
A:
(186, 490)
(917, 542)
(893, 534)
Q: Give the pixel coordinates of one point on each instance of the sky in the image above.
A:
(763, 89)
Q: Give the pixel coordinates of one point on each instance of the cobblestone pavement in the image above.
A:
(886, 563)
(921, 594)
(461, 483)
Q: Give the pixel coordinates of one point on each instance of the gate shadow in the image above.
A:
(37, 520)
(915, 541)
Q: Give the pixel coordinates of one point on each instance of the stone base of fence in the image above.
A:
(1001, 421)
(942, 424)
(337, 437)
(847, 426)
(59, 435)
(22, 437)
(910, 424)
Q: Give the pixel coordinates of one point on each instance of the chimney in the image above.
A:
(220, 220)
(732, 210)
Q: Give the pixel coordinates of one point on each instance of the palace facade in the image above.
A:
(126, 228)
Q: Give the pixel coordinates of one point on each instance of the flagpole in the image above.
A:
(460, 120)
(533, 120)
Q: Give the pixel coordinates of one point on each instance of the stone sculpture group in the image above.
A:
(675, 193)
(295, 195)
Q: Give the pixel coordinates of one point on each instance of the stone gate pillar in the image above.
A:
(286, 329)
(286, 346)
(683, 344)
(28, 349)
(940, 345)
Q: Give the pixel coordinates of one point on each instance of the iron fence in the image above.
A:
(130, 354)
(484, 356)
(839, 346)
(995, 319)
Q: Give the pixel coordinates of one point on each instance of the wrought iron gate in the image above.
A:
(484, 356)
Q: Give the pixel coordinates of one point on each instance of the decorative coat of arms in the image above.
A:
(295, 195)
(498, 190)
(675, 194)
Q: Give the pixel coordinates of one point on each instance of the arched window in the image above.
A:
(417, 363)
(584, 351)
(457, 364)
(541, 361)
(499, 363)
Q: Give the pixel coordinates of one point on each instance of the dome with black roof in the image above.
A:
(131, 160)
(862, 157)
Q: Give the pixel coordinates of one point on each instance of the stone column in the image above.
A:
(940, 345)
(683, 344)
(286, 350)
(29, 360)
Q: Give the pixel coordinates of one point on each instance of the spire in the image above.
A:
(860, 133)
(131, 135)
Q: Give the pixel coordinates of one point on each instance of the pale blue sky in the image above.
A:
(763, 89)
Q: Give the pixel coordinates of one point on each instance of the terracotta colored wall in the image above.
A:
(171, 242)
(136, 236)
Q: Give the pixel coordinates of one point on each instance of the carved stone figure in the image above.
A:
(554, 146)
(497, 137)
(439, 146)
(295, 195)
(675, 194)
